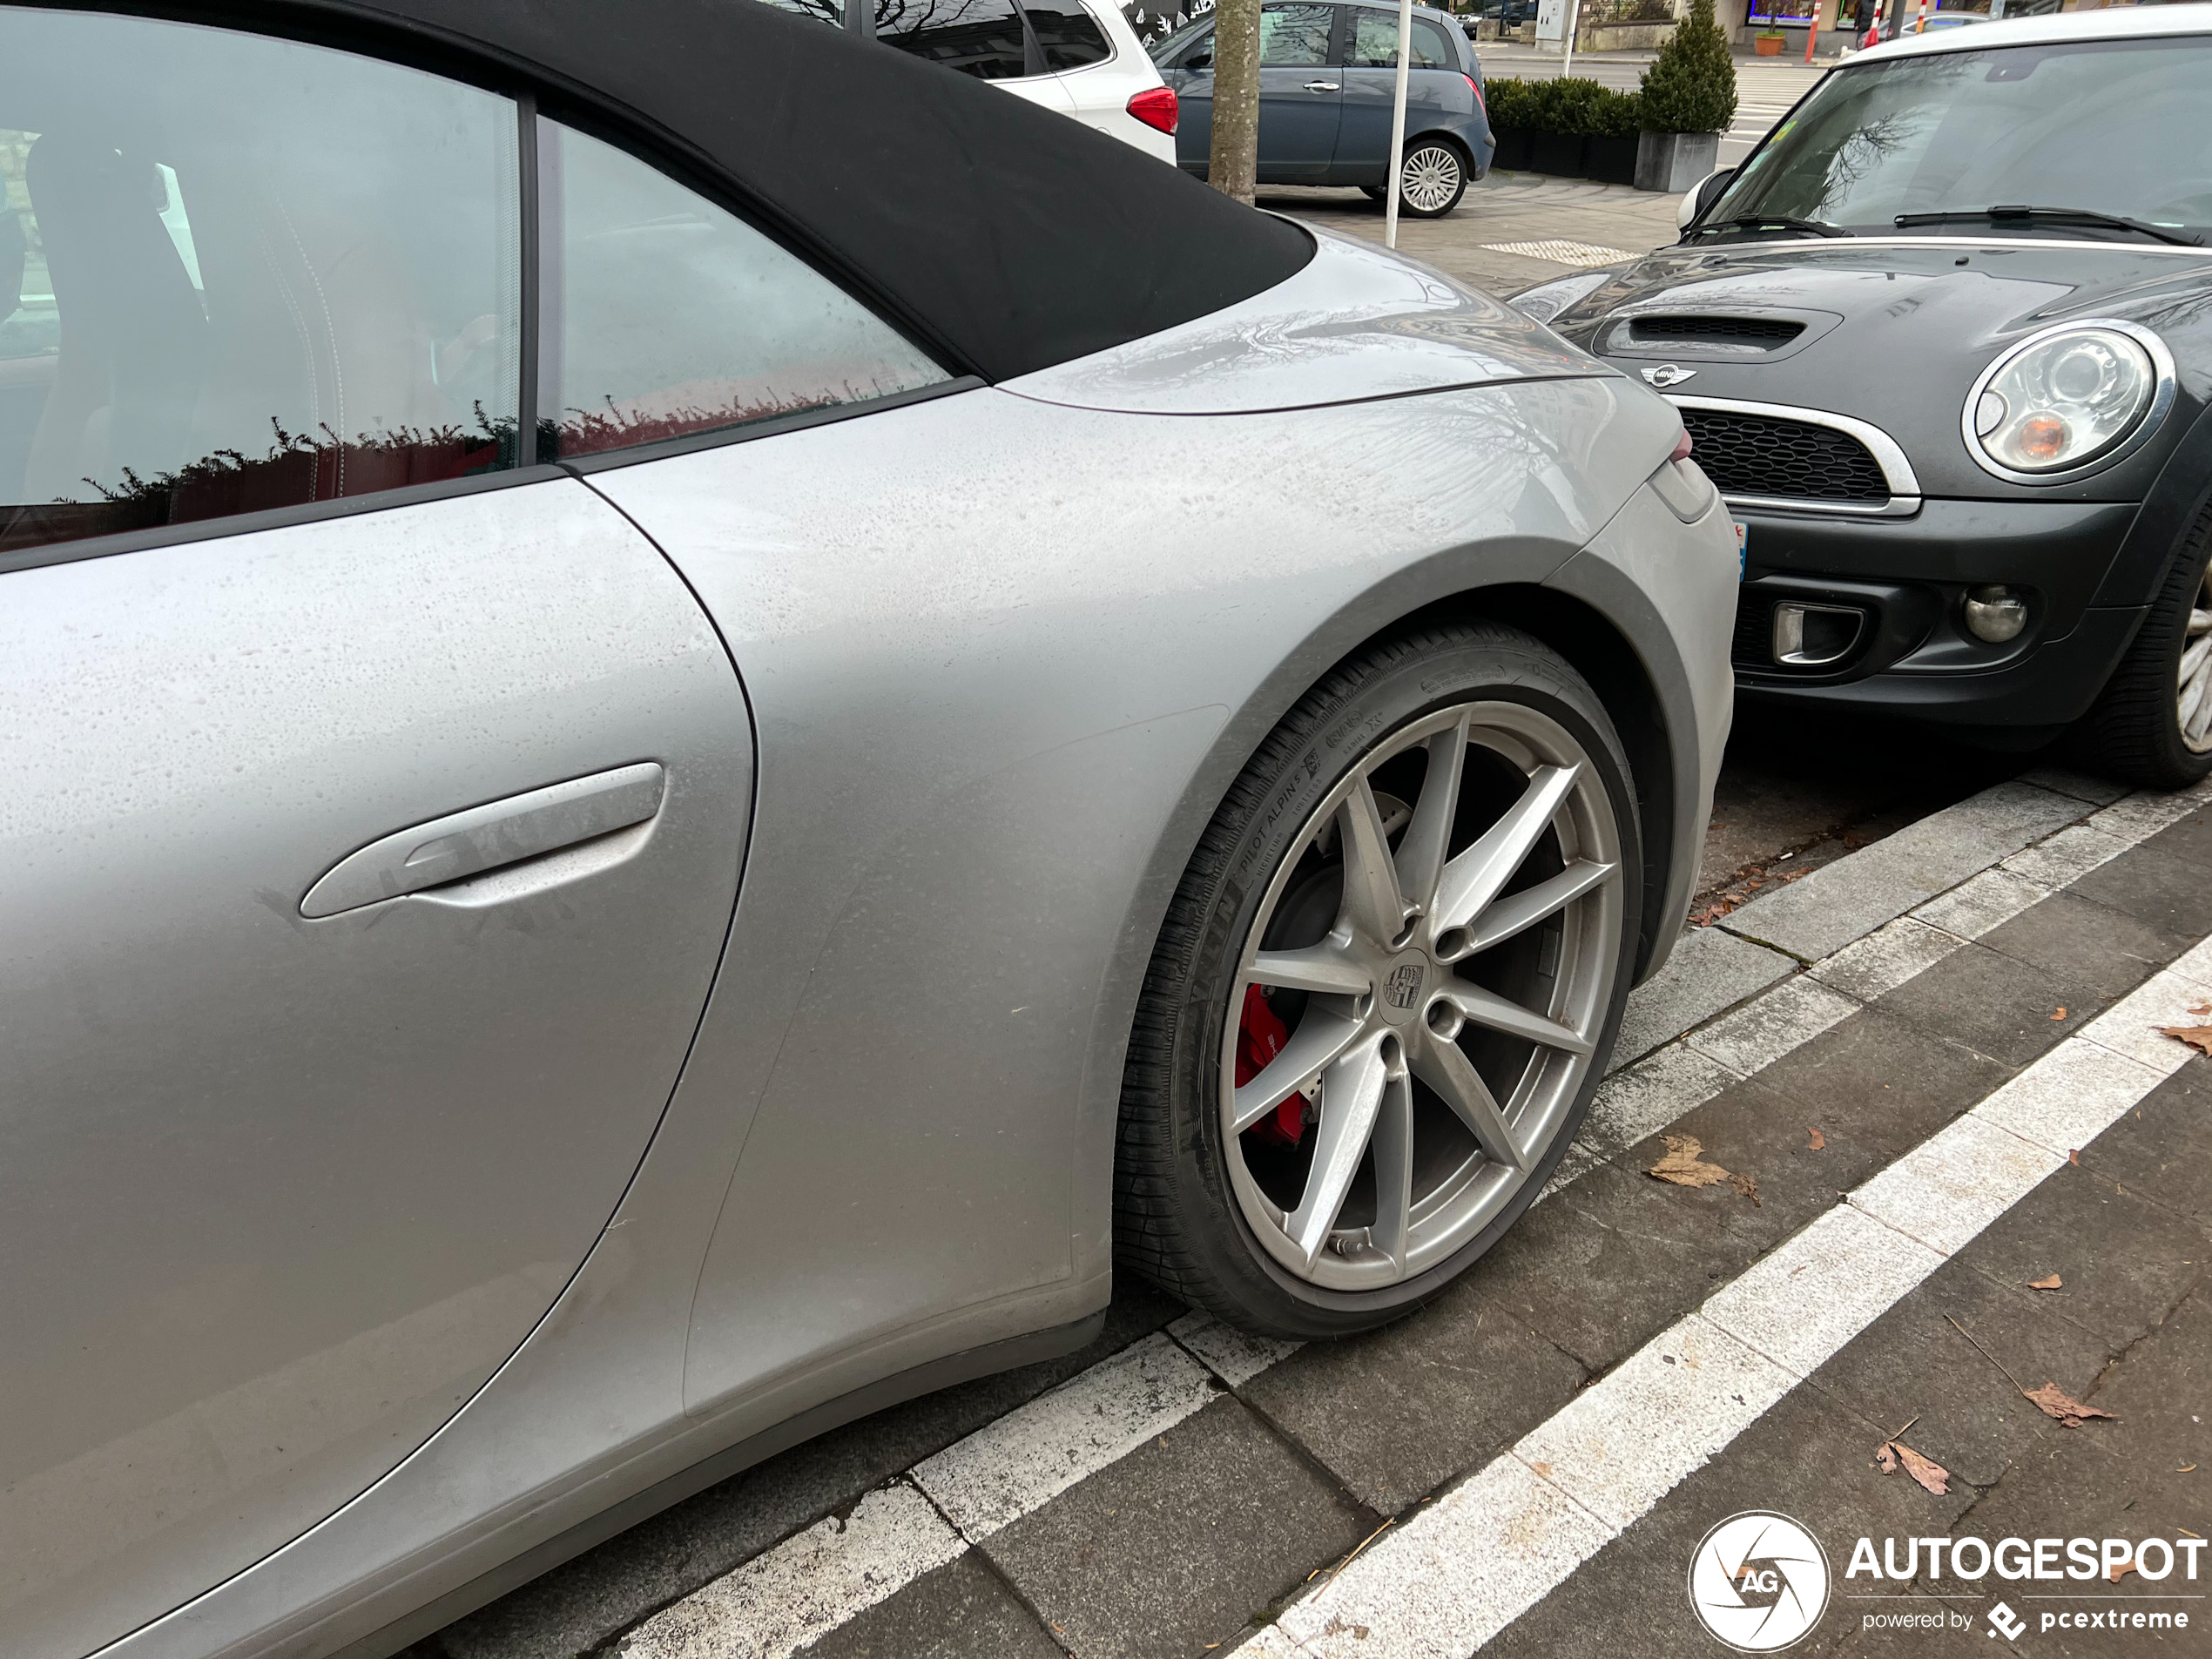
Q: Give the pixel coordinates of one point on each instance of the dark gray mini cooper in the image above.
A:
(1944, 343)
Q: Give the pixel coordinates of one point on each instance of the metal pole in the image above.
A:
(1573, 18)
(1812, 28)
(1397, 123)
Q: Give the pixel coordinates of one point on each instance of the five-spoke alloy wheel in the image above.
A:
(1385, 989)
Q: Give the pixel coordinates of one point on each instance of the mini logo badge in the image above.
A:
(2008, 1623)
(1403, 985)
(1758, 1581)
(1667, 374)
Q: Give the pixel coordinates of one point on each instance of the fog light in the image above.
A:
(1815, 635)
(1995, 614)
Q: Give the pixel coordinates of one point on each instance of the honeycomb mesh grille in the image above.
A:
(1762, 455)
(1764, 332)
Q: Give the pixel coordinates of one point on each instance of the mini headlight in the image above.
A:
(2068, 399)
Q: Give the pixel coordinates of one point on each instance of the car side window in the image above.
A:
(1374, 42)
(1070, 35)
(1295, 36)
(1199, 55)
(240, 273)
(984, 38)
(663, 314)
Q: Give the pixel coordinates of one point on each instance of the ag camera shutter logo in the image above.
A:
(1758, 1581)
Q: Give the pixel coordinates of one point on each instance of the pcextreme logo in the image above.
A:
(1758, 1581)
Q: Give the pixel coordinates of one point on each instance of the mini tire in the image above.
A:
(1428, 881)
(1432, 176)
(2152, 724)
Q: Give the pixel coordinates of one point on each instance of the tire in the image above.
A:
(1217, 1195)
(1432, 176)
(2134, 731)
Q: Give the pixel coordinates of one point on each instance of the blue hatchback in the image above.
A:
(1327, 80)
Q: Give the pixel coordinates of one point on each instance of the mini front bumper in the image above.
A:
(1909, 577)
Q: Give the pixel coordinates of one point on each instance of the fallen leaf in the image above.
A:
(1926, 1471)
(1542, 1469)
(2199, 1037)
(1818, 1140)
(1748, 1186)
(2202, 1007)
(1681, 1165)
(1886, 1457)
(2119, 1570)
(2187, 1468)
(2073, 1155)
(2060, 1014)
(2053, 1283)
(2057, 1403)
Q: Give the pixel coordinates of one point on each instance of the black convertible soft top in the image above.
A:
(1005, 236)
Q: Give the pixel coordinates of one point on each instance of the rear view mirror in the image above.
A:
(1700, 196)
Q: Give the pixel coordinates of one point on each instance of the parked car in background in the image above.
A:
(1327, 86)
(1945, 340)
(1078, 57)
(649, 807)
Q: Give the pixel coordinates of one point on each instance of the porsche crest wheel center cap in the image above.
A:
(1399, 998)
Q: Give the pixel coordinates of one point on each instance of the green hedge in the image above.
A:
(1571, 104)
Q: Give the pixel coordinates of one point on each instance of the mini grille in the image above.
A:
(1762, 455)
(1765, 333)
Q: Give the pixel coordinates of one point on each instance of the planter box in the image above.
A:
(1674, 161)
(1767, 45)
(1558, 153)
(1513, 149)
(1611, 161)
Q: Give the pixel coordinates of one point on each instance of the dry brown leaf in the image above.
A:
(2073, 1155)
(2119, 1570)
(2202, 1007)
(2053, 1283)
(1681, 1165)
(2060, 1014)
(1818, 1139)
(2199, 1037)
(1748, 1186)
(2057, 1403)
(1926, 1471)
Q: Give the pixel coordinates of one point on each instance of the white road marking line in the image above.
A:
(1631, 1438)
(785, 1599)
(1228, 1352)
(1038, 1451)
(1768, 1027)
(1895, 952)
(2168, 997)
(1561, 253)
(1645, 1098)
(1984, 903)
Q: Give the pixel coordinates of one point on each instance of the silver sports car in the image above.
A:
(694, 718)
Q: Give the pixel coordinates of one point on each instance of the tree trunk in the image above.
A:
(1232, 165)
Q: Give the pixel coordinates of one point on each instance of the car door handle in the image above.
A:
(483, 838)
(1321, 86)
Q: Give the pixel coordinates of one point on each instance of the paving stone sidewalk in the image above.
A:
(1184, 1487)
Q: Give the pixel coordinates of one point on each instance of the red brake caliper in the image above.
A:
(1260, 1037)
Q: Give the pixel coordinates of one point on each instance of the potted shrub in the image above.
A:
(1767, 42)
(1565, 108)
(1615, 124)
(1510, 109)
(1688, 99)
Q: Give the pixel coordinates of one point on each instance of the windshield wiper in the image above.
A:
(2051, 216)
(1772, 222)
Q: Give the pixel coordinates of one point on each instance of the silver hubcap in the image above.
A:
(1430, 178)
(1438, 947)
(2194, 690)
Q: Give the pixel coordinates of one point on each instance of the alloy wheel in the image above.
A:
(1417, 1004)
(2193, 688)
(1430, 178)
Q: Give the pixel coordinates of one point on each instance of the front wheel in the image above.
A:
(2152, 724)
(1384, 990)
(1432, 178)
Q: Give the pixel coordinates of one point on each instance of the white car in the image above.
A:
(1078, 57)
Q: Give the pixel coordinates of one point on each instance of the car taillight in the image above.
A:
(1156, 107)
(1480, 103)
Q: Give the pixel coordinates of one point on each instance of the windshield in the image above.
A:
(2119, 127)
